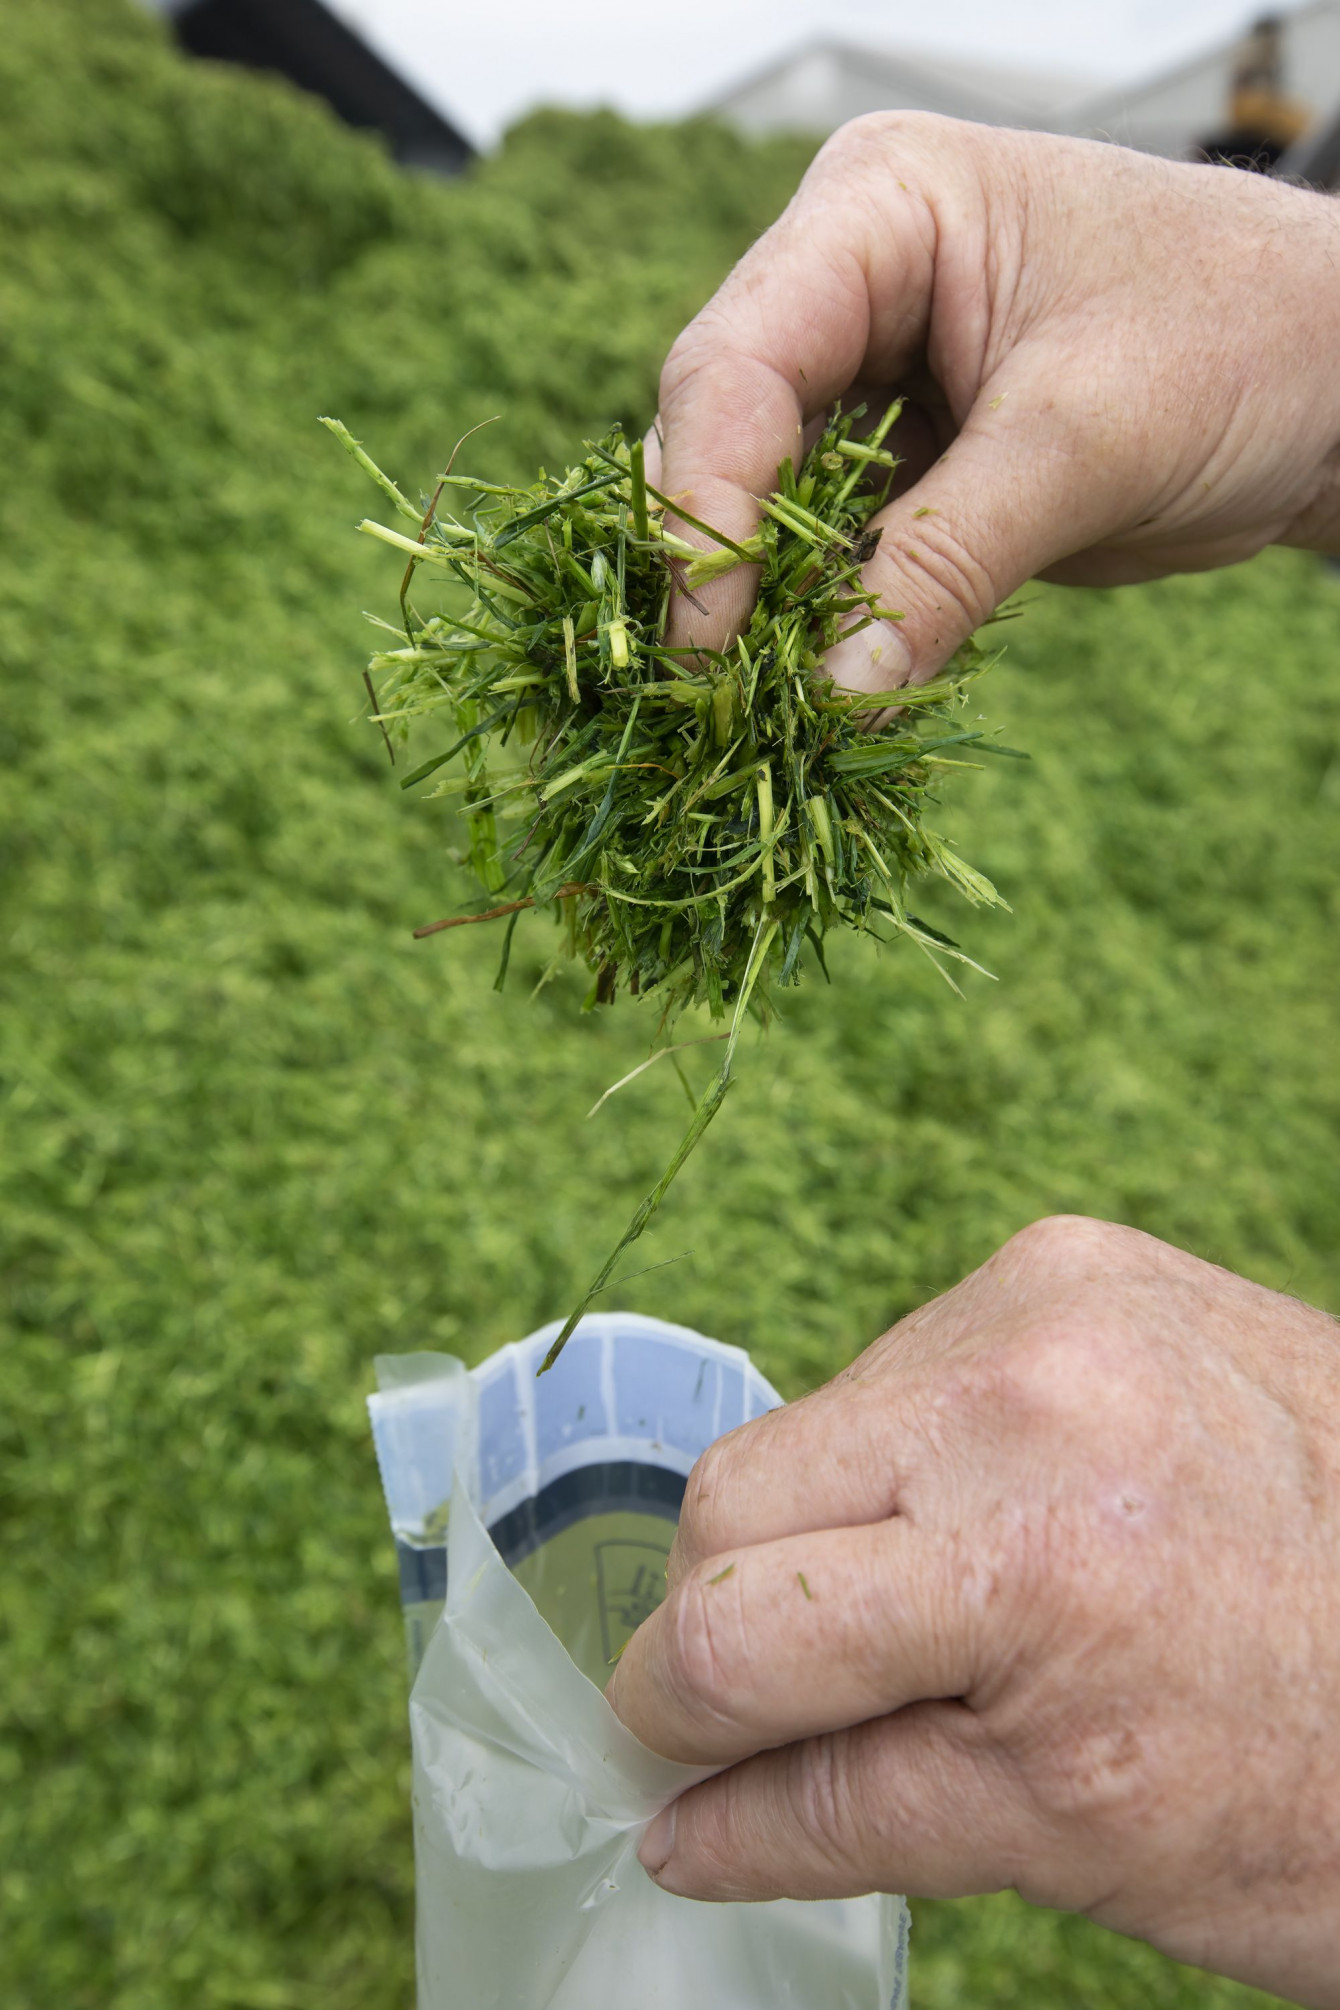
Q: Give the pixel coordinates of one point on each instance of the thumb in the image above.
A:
(1000, 505)
(918, 1802)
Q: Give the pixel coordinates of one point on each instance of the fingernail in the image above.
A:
(658, 1843)
(875, 659)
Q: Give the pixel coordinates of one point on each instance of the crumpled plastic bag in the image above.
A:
(530, 1797)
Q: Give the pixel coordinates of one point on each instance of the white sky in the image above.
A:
(486, 61)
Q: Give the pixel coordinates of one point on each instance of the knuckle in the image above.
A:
(690, 355)
(727, 1482)
(1058, 1374)
(1061, 1346)
(1063, 1241)
(712, 363)
(825, 1792)
(955, 573)
(703, 1658)
(872, 137)
(698, 1515)
(714, 1833)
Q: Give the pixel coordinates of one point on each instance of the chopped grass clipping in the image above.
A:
(690, 822)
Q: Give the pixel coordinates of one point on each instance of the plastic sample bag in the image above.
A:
(532, 1522)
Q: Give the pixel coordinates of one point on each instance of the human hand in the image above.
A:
(1043, 1592)
(1117, 367)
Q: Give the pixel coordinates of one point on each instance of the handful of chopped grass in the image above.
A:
(689, 819)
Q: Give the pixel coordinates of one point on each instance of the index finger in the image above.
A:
(810, 1634)
(863, 1447)
(835, 1459)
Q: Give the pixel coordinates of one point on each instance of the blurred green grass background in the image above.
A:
(251, 1133)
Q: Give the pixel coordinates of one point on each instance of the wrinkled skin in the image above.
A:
(1044, 1591)
(1125, 365)
(1069, 1620)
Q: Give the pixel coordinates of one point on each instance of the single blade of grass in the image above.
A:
(662, 1054)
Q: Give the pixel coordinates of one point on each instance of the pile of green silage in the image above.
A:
(252, 1133)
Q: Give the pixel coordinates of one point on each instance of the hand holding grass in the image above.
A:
(695, 820)
(1117, 367)
(1041, 1592)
